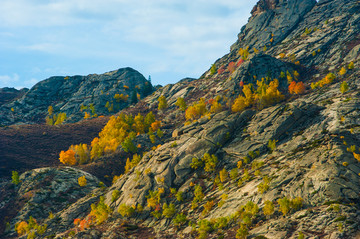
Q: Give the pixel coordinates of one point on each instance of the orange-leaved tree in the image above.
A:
(68, 157)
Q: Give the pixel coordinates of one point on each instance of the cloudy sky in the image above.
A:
(166, 39)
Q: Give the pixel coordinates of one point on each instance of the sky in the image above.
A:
(167, 39)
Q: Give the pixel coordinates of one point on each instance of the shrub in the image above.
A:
(296, 203)
(100, 211)
(285, 205)
(67, 157)
(344, 87)
(198, 194)
(128, 145)
(153, 198)
(210, 162)
(82, 181)
(272, 145)
(125, 210)
(244, 53)
(220, 70)
(221, 222)
(356, 156)
(115, 195)
(21, 228)
(169, 210)
(15, 177)
(231, 67)
(159, 133)
(296, 88)
(162, 103)
(204, 227)
(264, 186)
(351, 66)
(180, 219)
(351, 149)
(196, 110)
(224, 175)
(268, 209)
(325, 81)
(342, 71)
(180, 102)
(215, 107)
(179, 196)
(239, 164)
(213, 69)
(242, 232)
(208, 206)
(196, 163)
(234, 173)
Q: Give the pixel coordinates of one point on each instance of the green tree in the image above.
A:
(15, 178)
(344, 87)
(180, 102)
(162, 103)
(213, 69)
(133, 99)
(128, 145)
(285, 205)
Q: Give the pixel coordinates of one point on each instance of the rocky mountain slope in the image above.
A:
(9, 94)
(75, 95)
(289, 169)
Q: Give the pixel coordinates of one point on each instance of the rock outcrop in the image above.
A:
(76, 95)
(9, 94)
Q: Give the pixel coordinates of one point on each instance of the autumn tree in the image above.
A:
(50, 110)
(196, 110)
(215, 107)
(82, 181)
(342, 71)
(296, 88)
(68, 157)
(231, 67)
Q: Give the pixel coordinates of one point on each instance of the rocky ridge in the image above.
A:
(9, 94)
(314, 134)
(74, 95)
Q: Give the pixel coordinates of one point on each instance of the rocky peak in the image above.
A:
(272, 21)
(264, 5)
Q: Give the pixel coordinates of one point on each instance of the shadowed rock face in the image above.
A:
(263, 6)
(316, 135)
(68, 94)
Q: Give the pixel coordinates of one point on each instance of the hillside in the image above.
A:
(265, 144)
(9, 94)
(94, 94)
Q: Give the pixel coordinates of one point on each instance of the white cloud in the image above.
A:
(7, 80)
(156, 36)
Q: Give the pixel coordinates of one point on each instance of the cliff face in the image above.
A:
(74, 96)
(289, 170)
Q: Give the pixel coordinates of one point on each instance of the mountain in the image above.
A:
(267, 145)
(9, 94)
(75, 95)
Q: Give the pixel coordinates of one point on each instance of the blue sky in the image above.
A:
(166, 39)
